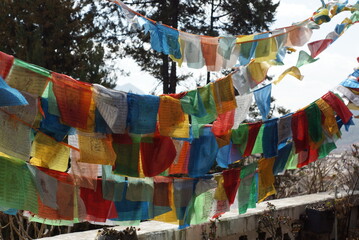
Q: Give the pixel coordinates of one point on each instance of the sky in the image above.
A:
(333, 66)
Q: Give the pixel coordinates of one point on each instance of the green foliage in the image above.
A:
(224, 17)
(65, 36)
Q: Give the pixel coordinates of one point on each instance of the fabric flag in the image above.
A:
(66, 199)
(223, 123)
(314, 119)
(229, 50)
(241, 80)
(319, 46)
(203, 153)
(210, 53)
(267, 49)
(131, 210)
(192, 104)
(304, 58)
(163, 39)
(140, 189)
(338, 106)
(247, 188)
(84, 174)
(10, 96)
(127, 150)
(248, 47)
(266, 178)
(73, 99)
(220, 193)
(51, 98)
(281, 160)
(243, 104)
(112, 105)
(224, 95)
(17, 189)
(96, 148)
(180, 164)
(240, 137)
(28, 77)
(157, 154)
(223, 158)
(231, 183)
(183, 190)
(112, 185)
(6, 62)
(46, 186)
(293, 71)
(162, 189)
(257, 72)
(48, 153)
(298, 36)
(51, 125)
(142, 113)
(292, 160)
(100, 124)
(329, 124)
(300, 131)
(200, 207)
(258, 143)
(207, 96)
(192, 50)
(270, 138)
(15, 136)
(172, 121)
(284, 128)
(263, 98)
(98, 209)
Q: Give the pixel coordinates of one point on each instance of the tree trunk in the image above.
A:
(174, 6)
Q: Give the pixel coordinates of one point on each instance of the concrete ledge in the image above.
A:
(231, 224)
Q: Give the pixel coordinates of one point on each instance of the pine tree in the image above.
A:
(224, 17)
(65, 36)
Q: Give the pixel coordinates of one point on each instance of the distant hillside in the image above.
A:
(348, 138)
(128, 87)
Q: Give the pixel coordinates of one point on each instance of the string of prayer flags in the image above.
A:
(73, 99)
(10, 96)
(263, 99)
(6, 62)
